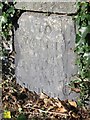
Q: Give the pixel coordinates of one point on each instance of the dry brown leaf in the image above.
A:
(43, 96)
(52, 108)
(14, 98)
(75, 115)
(22, 90)
(77, 90)
(46, 101)
(72, 103)
(62, 109)
(58, 103)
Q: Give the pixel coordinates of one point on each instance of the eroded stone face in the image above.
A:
(44, 53)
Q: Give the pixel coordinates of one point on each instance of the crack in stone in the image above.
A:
(49, 13)
(64, 61)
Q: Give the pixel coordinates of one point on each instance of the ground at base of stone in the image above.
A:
(26, 105)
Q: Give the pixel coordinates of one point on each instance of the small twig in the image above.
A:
(47, 112)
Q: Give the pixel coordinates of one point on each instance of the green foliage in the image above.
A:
(21, 117)
(8, 11)
(82, 50)
(6, 23)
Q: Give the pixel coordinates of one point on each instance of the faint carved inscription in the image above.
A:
(42, 60)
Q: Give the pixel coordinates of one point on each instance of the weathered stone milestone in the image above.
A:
(45, 59)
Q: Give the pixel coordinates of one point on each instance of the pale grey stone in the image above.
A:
(45, 59)
(54, 7)
(46, 0)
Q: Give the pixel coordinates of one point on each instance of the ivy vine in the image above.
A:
(6, 23)
(82, 49)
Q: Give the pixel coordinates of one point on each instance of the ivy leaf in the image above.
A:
(85, 31)
(11, 10)
(1, 5)
(78, 37)
(21, 117)
(3, 19)
(88, 17)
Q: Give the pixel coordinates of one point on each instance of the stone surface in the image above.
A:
(55, 7)
(49, 1)
(45, 53)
